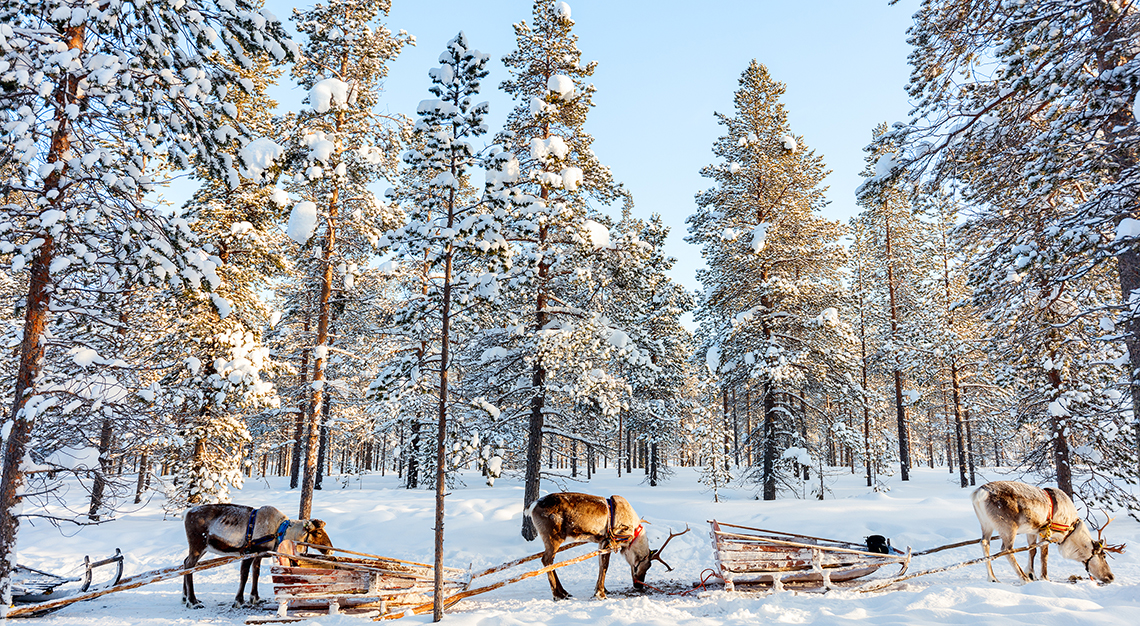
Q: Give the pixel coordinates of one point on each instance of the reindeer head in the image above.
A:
(640, 556)
(1096, 564)
(308, 531)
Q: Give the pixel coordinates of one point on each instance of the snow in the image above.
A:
(374, 514)
(84, 357)
(759, 237)
(599, 235)
(302, 222)
(571, 178)
(789, 143)
(1128, 228)
(327, 93)
(554, 147)
(1135, 107)
(885, 165)
(561, 9)
(259, 155)
(562, 85)
(618, 339)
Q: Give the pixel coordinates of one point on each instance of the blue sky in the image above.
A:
(665, 67)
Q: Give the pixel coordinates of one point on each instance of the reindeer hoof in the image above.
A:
(564, 595)
(196, 604)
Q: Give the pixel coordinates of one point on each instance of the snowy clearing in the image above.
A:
(375, 515)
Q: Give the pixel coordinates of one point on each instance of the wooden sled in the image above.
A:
(754, 558)
(378, 587)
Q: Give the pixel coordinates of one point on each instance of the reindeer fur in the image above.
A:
(1012, 508)
(221, 529)
(563, 517)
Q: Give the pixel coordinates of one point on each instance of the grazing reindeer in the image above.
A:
(611, 523)
(1013, 508)
(237, 529)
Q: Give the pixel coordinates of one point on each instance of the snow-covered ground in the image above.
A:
(374, 515)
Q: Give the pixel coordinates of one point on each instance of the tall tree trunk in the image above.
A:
(38, 305)
(956, 395)
(900, 409)
(970, 449)
(144, 471)
(413, 460)
(99, 485)
(303, 408)
(322, 449)
(768, 474)
(532, 480)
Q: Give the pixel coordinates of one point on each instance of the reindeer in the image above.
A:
(1013, 508)
(237, 529)
(611, 523)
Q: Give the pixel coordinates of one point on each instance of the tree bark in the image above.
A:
(38, 305)
(769, 472)
(99, 485)
(303, 408)
(900, 409)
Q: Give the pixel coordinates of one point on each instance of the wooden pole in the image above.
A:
(127, 583)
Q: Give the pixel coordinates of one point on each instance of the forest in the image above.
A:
(355, 290)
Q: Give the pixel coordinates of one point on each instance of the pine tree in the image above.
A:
(341, 146)
(92, 114)
(563, 345)
(773, 264)
(458, 237)
(897, 235)
(1047, 106)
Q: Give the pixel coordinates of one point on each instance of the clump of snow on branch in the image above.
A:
(571, 178)
(562, 10)
(1128, 228)
(259, 155)
(302, 222)
(328, 93)
(759, 237)
(789, 143)
(562, 85)
(554, 148)
(598, 234)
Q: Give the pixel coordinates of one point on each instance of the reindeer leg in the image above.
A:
(239, 600)
(600, 588)
(1032, 555)
(986, 536)
(254, 597)
(556, 588)
(188, 597)
(1007, 539)
(1044, 560)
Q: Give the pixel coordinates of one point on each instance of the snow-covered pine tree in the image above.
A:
(457, 238)
(341, 145)
(773, 263)
(222, 359)
(95, 98)
(1049, 99)
(639, 297)
(556, 350)
(896, 233)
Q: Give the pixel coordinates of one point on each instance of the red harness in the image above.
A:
(1050, 525)
(616, 537)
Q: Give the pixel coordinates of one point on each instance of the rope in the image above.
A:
(700, 586)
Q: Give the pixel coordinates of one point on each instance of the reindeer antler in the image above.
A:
(655, 555)
(1104, 545)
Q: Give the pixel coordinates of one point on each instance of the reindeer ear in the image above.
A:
(318, 524)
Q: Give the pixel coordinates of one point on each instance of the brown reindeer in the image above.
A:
(236, 529)
(1013, 508)
(611, 523)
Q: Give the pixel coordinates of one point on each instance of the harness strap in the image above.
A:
(611, 534)
(1050, 526)
(251, 543)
